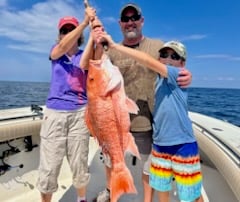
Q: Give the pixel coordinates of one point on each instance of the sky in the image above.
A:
(210, 31)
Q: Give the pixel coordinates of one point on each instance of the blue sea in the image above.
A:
(219, 103)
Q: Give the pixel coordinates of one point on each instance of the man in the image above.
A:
(139, 85)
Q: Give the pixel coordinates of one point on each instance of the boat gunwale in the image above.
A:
(231, 153)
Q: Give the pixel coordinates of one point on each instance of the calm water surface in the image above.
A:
(219, 103)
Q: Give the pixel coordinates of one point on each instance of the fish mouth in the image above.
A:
(99, 63)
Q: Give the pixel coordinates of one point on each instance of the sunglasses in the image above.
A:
(133, 18)
(66, 30)
(165, 54)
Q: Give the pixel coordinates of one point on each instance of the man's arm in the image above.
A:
(184, 78)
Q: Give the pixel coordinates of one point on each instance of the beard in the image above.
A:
(131, 34)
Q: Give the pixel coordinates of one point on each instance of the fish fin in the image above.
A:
(121, 182)
(132, 147)
(115, 76)
(112, 85)
(132, 106)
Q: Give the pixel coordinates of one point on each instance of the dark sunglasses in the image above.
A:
(174, 56)
(66, 30)
(133, 18)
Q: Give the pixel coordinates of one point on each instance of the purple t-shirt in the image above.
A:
(68, 84)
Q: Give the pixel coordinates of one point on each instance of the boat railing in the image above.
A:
(235, 157)
(36, 110)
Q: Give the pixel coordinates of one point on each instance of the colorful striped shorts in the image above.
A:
(181, 162)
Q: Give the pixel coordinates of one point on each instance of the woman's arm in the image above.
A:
(71, 38)
(67, 42)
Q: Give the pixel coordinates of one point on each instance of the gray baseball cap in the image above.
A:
(178, 47)
(133, 6)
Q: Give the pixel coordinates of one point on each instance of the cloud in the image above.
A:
(215, 78)
(192, 37)
(3, 3)
(226, 79)
(109, 20)
(35, 29)
(218, 56)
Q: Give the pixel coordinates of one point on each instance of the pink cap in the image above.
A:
(67, 20)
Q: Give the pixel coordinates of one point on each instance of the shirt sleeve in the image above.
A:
(172, 74)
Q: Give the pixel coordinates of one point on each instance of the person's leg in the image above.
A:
(77, 152)
(46, 197)
(104, 196)
(200, 199)
(187, 169)
(52, 151)
(81, 192)
(144, 143)
(147, 189)
(163, 196)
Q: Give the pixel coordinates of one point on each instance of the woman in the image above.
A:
(63, 130)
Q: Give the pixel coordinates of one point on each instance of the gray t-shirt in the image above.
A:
(139, 82)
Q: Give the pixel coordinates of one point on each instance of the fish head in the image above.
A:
(103, 77)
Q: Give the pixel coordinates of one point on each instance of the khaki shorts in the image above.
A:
(147, 165)
(63, 134)
(144, 143)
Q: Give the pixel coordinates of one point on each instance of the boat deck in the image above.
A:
(19, 184)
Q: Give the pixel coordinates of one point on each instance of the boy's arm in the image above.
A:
(139, 56)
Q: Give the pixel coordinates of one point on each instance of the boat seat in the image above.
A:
(19, 129)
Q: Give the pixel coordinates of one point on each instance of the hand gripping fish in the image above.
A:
(107, 117)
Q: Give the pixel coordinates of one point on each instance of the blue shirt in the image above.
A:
(171, 124)
(68, 84)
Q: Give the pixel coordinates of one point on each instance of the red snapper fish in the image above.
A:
(107, 117)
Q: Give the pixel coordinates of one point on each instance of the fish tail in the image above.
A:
(132, 147)
(121, 182)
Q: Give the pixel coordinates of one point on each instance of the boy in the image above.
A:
(174, 150)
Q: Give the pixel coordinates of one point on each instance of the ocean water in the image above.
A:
(219, 103)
